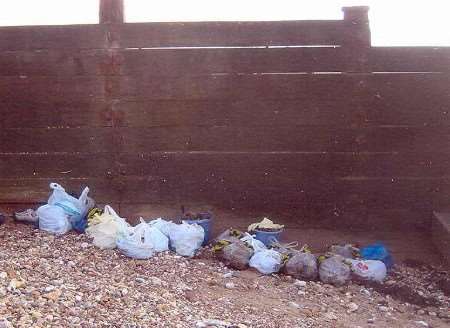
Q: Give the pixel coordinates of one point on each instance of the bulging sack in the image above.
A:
(136, 242)
(53, 219)
(334, 271)
(159, 240)
(266, 261)
(236, 255)
(186, 239)
(106, 228)
(302, 266)
(162, 225)
(373, 270)
(76, 209)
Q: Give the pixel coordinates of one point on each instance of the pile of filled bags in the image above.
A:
(64, 212)
(108, 230)
(258, 249)
(337, 267)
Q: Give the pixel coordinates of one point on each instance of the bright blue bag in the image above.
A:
(379, 252)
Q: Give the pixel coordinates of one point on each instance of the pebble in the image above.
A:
(53, 295)
(421, 323)
(49, 289)
(156, 281)
(352, 307)
(16, 284)
(365, 292)
(300, 283)
(230, 285)
(228, 275)
(383, 308)
(84, 245)
(294, 305)
(331, 316)
(371, 320)
(213, 322)
(139, 280)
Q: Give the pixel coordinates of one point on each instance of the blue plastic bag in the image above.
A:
(377, 251)
(79, 225)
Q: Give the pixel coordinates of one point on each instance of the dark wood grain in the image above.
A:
(37, 190)
(40, 88)
(54, 112)
(176, 62)
(235, 138)
(57, 166)
(53, 37)
(61, 63)
(409, 59)
(246, 112)
(236, 87)
(146, 35)
(61, 139)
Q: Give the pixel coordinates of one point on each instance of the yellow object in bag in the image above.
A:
(106, 228)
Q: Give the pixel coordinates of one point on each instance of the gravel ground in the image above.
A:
(48, 281)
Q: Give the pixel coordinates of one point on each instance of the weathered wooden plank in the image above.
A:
(386, 193)
(423, 163)
(146, 35)
(61, 63)
(417, 100)
(227, 165)
(37, 190)
(235, 138)
(53, 37)
(54, 112)
(147, 189)
(43, 88)
(65, 140)
(176, 62)
(408, 88)
(284, 138)
(247, 112)
(401, 139)
(409, 59)
(236, 87)
(57, 166)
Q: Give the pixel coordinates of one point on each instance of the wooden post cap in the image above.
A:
(111, 12)
(356, 14)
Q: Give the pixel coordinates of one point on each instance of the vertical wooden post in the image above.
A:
(111, 17)
(111, 12)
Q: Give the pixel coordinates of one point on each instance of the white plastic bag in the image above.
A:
(162, 225)
(185, 238)
(76, 209)
(137, 242)
(266, 261)
(159, 240)
(254, 243)
(53, 219)
(109, 226)
(369, 269)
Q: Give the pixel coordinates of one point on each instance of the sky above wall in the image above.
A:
(393, 22)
